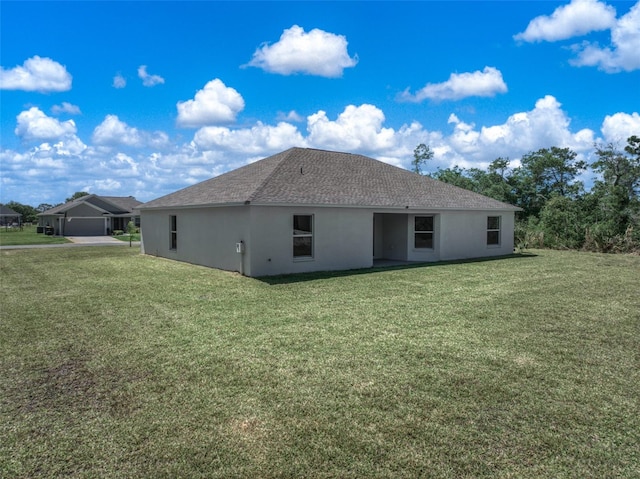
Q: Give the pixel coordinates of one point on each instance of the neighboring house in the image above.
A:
(91, 215)
(311, 210)
(9, 216)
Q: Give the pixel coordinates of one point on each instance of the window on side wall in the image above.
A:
(173, 230)
(423, 232)
(303, 236)
(493, 231)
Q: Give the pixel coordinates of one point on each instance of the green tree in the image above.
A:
(455, 176)
(493, 182)
(620, 168)
(499, 167)
(131, 229)
(617, 192)
(28, 212)
(44, 207)
(421, 155)
(545, 173)
(633, 148)
(560, 221)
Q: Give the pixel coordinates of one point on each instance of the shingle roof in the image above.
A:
(6, 211)
(303, 176)
(126, 203)
(122, 204)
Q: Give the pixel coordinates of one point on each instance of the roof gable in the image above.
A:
(6, 211)
(115, 204)
(317, 177)
(107, 204)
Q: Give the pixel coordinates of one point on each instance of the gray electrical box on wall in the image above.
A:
(240, 247)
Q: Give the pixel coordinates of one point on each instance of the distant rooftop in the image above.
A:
(114, 204)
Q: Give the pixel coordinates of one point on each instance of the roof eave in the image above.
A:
(388, 207)
(182, 207)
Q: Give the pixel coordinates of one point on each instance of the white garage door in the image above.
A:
(84, 227)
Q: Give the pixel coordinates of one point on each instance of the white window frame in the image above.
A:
(497, 230)
(302, 235)
(431, 232)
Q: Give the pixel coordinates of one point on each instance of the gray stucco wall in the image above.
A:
(205, 236)
(464, 235)
(342, 237)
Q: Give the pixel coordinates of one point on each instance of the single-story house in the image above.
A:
(305, 210)
(9, 216)
(91, 215)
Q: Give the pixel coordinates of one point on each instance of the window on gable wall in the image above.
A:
(493, 231)
(423, 232)
(302, 236)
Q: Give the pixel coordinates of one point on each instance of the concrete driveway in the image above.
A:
(94, 240)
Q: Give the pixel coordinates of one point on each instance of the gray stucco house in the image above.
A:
(91, 215)
(308, 210)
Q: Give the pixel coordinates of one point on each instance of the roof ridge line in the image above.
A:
(266, 179)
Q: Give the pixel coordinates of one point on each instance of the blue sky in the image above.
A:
(143, 98)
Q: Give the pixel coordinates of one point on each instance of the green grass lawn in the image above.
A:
(27, 236)
(117, 365)
(126, 237)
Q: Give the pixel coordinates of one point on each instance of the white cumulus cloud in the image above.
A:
(255, 140)
(70, 146)
(314, 53)
(356, 128)
(122, 165)
(36, 74)
(33, 124)
(119, 81)
(577, 18)
(66, 108)
(216, 103)
(485, 83)
(618, 127)
(545, 126)
(292, 116)
(624, 52)
(108, 186)
(114, 132)
(147, 79)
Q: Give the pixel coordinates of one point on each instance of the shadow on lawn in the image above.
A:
(301, 277)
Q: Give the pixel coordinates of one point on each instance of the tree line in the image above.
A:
(557, 210)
